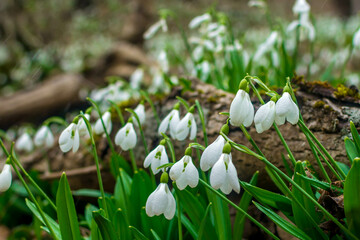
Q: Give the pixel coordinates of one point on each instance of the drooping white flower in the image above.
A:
(126, 137)
(305, 25)
(5, 178)
(223, 174)
(69, 138)
(184, 172)
(140, 111)
(24, 143)
(186, 125)
(163, 61)
(241, 109)
(156, 158)
(266, 46)
(161, 201)
(153, 29)
(99, 129)
(44, 137)
(301, 7)
(136, 78)
(212, 153)
(265, 116)
(197, 21)
(257, 3)
(83, 131)
(205, 69)
(356, 39)
(286, 109)
(170, 121)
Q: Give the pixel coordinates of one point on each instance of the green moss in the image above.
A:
(319, 104)
(343, 91)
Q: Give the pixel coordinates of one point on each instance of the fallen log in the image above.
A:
(326, 114)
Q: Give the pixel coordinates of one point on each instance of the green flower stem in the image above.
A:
(57, 120)
(238, 209)
(148, 99)
(32, 197)
(133, 161)
(140, 129)
(17, 162)
(173, 157)
(103, 124)
(280, 180)
(117, 109)
(291, 156)
(183, 102)
(88, 126)
(294, 184)
(330, 158)
(202, 119)
(249, 138)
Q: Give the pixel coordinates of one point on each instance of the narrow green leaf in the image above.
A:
(355, 135)
(189, 226)
(268, 198)
(244, 204)
(155, 235)
(54, 225)
(323, 185)
(286, 164)
(351, 149)
(116, 162)
(203, 225)
(66, 212)
(310, 226)
(138, 235)
(352, 198)
(121, 225)
(287, 226)
(85, 192)
(106, 228)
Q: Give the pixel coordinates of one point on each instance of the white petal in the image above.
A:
(164, 124)
(182, 129)
(293, 116)
(65, 141)
(24, 143)
(191, 174)
(193, 129)
(49, 142)
(120, 135)
(171, 205)
(160, 200)
(235, 111)
(152, 30)
(150, 203)
(76, 140)
(40, 136)
(218, 173)
(233, 178)
(249, 117)
(176, 169)
(212, 153)
(5, 178)
(150, 157)
(130, 139)
(174, 122)
(140, 111)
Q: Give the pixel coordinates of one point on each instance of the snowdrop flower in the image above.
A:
(69, 138)
(44, 137)
(83, 131)
(163, 61)
(184, 172)
(170, 121)
(99, 129)
(356, 39)
(205, 69)
(241, 108)
(305, 24)
(257, 3)
(266, 46)
(301, 7)
(265, 116)
(161, 201)
(5, 178)
(140, 111)
(213, 152)
(126, 136)
(153, 29)
(223, 174)
(157, 158)
(136, 78)
(286, 109)
(197, 21)
(24, 143)
(186, 125)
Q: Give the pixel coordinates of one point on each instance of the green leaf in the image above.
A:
(310, 226)
(188, 225)
(138, 235)
(203, 225)
(276, 179)
(244, 205)
(105, 226)
(351, 149)
(85, 192)
(355, 135)
(66, 212)
(345, 168)
(121, 225)
(268, 198)
(286, 164)
(323, 185)
(155, 235)
(122, 190)
(116, 162)
(287, 226)
(352, 198)
(35, 211)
